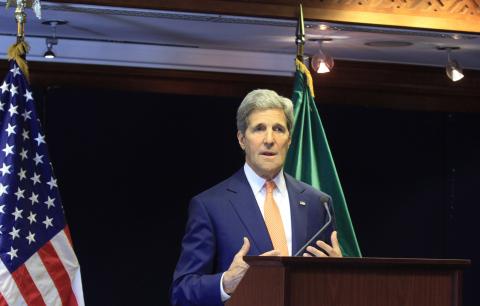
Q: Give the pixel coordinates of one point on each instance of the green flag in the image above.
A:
(310, 159)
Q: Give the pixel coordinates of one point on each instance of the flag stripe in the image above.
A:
(8, 287)
(27, 287)
(43, 282)
(2, 301)
(78, 288)
(65, 253)
(69, 236)
(57, 272)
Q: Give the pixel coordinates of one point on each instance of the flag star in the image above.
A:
(1, 105)
(14, 233)
(25, 134)
(13, 90)
(30, 237)
(5, 169)
(1, 229)
(13, 110)
(15, 70)
(48, 222)
(8, 149)
(10, 129)
(32, 217)
(3, 189)
(19, 193)
(4, 87)
(49, 202)
(17, 213)
(26, 115)
(28, 95)
(22, 174)
(35, 178)
(1, 209)
(40, 139)
(23, 154)
(12, 253)
(33, 198)
(52, 183)
(38, 159)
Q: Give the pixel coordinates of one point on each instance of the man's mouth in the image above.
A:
(268, 153)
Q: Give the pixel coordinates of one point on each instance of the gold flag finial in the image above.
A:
(19, 50)
(20, 15)
(300, 40)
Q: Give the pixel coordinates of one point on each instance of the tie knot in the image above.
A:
(270, 186)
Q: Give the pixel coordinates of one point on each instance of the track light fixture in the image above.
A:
(321, 62)
(52, 41)
(453, 69)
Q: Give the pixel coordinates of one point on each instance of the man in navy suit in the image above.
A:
(260, 210)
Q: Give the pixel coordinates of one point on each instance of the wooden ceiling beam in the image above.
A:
(445, 15)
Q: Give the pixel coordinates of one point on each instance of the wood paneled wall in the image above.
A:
(371, 84)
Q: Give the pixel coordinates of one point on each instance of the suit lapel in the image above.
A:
(245, 204)
(298, 211)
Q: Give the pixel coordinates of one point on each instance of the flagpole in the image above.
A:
(300, 40)
(21, 18)
(18, 51)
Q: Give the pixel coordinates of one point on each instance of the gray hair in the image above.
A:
(263, 99)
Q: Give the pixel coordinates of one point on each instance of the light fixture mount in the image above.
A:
(321, 40)
(447, 48)
(54, 22)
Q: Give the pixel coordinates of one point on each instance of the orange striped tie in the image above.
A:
(273, 220)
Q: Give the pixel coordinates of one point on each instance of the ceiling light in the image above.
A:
(453, 69)
(49, 54)
(321, 61)
(51, 41)
(323, 27)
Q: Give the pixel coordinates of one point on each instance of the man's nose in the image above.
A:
(269, 137)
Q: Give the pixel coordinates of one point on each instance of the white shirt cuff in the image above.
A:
(223, 294)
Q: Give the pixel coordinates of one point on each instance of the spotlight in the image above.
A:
(49, 53)
(51, 41)
(321, 61)
(453, 69)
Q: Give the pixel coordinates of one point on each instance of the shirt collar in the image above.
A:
(257, 182)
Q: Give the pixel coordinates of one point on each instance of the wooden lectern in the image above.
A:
(305, 281)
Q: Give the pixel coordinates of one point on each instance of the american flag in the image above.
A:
(37, 263)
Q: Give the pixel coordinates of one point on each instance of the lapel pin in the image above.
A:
(302, 203)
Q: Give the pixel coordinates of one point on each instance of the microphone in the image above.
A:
(314, 238)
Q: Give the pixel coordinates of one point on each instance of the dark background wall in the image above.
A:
(128, 162)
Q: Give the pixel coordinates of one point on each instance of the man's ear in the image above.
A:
(241, 139)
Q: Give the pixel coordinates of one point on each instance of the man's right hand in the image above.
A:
(238, 267)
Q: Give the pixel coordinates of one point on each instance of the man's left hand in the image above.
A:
(328, 251)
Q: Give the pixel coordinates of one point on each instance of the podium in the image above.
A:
(307, 281)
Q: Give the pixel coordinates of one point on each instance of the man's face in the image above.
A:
(266, 141)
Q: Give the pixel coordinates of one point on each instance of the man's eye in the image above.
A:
(259, 128)
(280, 129)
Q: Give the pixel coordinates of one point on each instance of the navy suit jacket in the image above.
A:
(218, 220)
